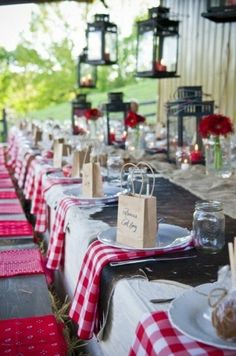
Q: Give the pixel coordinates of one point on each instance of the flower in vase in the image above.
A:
(133, 120)
(215, 126)
(92, 114)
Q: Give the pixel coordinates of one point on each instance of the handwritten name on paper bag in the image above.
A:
(129, 220)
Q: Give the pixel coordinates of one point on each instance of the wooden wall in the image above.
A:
(207, 57)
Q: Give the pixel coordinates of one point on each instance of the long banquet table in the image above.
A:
(120, 286)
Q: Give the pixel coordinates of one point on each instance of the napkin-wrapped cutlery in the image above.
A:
(152, 259)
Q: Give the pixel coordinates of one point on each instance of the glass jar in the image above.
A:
(209, 226)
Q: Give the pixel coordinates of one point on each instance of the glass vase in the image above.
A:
(218, 156)
(135, 141)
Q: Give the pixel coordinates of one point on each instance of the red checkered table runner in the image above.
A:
(4, 175)
(15, 228)
(21, 261)
(155, 335)
(11, 208)
(84, 305)
(6, 183)
(39, 335)
(9, 194)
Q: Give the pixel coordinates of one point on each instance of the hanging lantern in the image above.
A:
(183, 117)
(102, 41)
(116, 110)
(157, 47)
(79, 106)
(87, 73)
(221, 10)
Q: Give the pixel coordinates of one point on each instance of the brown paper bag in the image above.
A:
(57, 154)
(137, 215)
(92, 180)
(87, 154)
(137, 221)
(66, 150)
(37, 136)
(77, 164)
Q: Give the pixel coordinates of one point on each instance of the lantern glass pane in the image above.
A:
(173, 136)
(169, 54)
(94, 46)
(116, 120)
(87, 74)
(145, 52)
(215, 3)
(110, 47)
(189, 130)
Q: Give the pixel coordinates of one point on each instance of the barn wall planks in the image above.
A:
(207, 57)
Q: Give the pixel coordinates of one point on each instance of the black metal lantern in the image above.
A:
(183, 116)
(79, 106)
(157, 47)
(116, 111)
(102, 41)
(87, 73)
(221, 10)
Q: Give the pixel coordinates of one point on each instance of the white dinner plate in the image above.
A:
(111, 194)
(191, 315)
(168, 236)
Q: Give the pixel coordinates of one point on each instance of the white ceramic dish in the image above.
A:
(111, 194)
(191, 315)
(168, 236)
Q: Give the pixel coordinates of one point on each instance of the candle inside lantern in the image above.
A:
(185, 165)
(160, 66)
(196, 155)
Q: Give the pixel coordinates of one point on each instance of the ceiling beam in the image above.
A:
(15, 2)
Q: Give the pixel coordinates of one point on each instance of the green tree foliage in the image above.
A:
(42, 70)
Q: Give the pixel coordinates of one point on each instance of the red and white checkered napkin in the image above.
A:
(156, 336)
(84, 306)
(29, 180)
(56, 241)
(37, 198)
(11, 208)
(41, 215)
(25, 164)
(19, 262)
(15, 228)
(37, 335)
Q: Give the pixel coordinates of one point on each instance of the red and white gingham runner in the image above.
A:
(56, 242)
(84, 306)
(156, 336)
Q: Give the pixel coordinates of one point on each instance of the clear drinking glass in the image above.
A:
(114, 165)
(209, 226)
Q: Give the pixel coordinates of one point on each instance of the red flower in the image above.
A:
(79, 130)
(133, 119)
(215, 124)
(92, 114)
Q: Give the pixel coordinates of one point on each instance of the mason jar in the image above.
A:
(209, 226)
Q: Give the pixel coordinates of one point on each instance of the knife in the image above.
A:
(122, 263)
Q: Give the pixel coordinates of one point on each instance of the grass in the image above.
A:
(144, 90)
